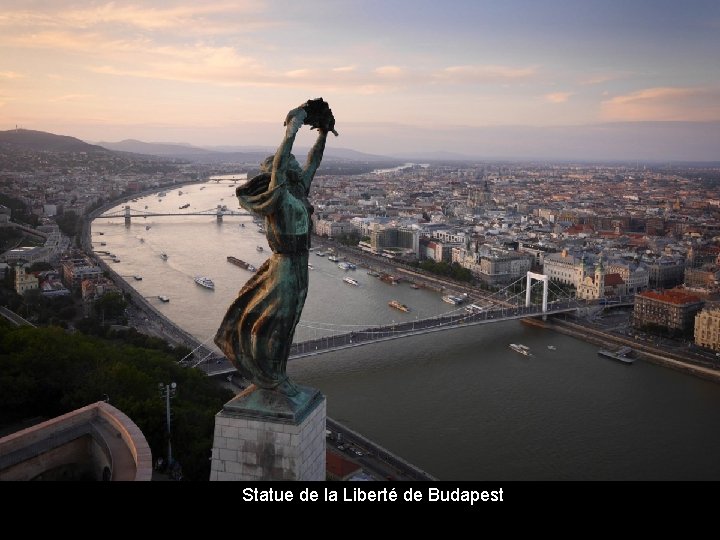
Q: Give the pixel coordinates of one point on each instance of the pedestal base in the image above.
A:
(265, 435)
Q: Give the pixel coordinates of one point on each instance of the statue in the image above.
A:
(259, 325)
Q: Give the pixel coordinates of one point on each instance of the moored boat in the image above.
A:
(163, 298)
(241, 263)
(351, 281)
(620, 355)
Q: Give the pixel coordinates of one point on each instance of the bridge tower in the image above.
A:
(127, 216)
(219, 214)
(537, 277)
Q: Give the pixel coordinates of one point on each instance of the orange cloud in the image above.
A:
(558, 97)
(664, 103)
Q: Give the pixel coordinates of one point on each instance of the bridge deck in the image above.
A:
(400, 330)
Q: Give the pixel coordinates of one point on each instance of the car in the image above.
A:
(341, 447)
(358, 452)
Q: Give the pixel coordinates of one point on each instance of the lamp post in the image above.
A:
(168, 391)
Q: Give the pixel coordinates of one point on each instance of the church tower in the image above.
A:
(600, 278)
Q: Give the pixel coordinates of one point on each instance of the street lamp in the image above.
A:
(168, 391)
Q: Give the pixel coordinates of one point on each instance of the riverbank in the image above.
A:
(655, 355)
(151, 320)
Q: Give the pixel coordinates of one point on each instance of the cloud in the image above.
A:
(344, 69)
(389, 71)
(10, 75)
(664, 103)
(484, 73)
(599, 78)
(190, 18)
(557, 97)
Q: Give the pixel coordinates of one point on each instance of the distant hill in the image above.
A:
(238, 154)
(153, 149)
(40, 141)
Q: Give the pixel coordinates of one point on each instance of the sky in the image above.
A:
(400, 75)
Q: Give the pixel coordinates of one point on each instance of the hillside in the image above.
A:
(40, 141)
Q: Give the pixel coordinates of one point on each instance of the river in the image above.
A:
(459, 404)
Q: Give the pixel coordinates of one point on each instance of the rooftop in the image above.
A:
(673, 296)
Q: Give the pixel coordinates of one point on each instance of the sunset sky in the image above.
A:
(226, 72)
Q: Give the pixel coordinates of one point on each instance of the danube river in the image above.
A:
(459, 404)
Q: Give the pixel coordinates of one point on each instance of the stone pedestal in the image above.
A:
(265, 435)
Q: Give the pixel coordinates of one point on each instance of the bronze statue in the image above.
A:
(258, 328)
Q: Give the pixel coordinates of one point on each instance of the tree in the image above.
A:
(110, 306)
(47, 372)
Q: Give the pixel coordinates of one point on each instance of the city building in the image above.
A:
(665, 272)
(24, 281)
(564, 267)
(635, 276)
(707, 328)
(673, 310)
(401, 237)
(77, 270)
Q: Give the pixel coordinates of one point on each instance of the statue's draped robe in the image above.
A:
(258, 328)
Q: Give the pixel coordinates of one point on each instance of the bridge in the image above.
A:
(521, 299)
(128, 213)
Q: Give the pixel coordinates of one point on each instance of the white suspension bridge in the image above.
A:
(526, 297)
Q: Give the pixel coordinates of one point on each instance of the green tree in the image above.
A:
(46, 372)
(110, 306)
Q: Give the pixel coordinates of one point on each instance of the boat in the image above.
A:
(414, 286)
(522, 349)
(142, 240)
(397, 305)
(164, 256)
(333, 258)
(242, 225)
(310, 267)
(101, 233)
(373, 273)
(552, 347)
(184, 206)
(115, 259)
(180, 192)
(351, 281)
(351, 266)
(342, 265)
(137, 277)
(241, 263)
(621, 355)
(319, 254)
(204, 282)
(147, 227)
(450, 299)
(163, 298)
(259, 248)
(387, 278)
(103, 243)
